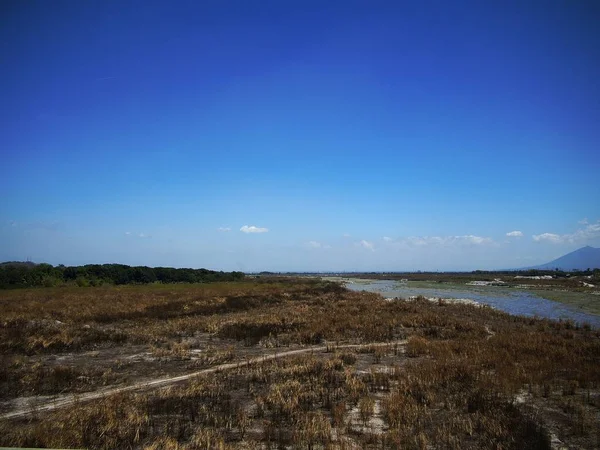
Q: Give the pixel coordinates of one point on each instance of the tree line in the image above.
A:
(15, 275)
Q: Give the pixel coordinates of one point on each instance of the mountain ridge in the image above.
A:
(581, 259)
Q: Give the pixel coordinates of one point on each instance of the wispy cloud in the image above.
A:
(583, 221)
(515, 234)
(550, 237)
(224, 229)
(139, 235)
(346, 235)
(446, 240)
(387, 239)
(368, 245)
(590, 231)
(315, 244)
(477, 240)
(253, 229)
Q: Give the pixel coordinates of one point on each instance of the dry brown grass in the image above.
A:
(454, 385)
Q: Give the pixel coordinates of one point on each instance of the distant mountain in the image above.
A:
(582, 259)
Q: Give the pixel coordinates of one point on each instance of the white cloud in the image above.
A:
(140, 235)
(515, 234)
(253, 229)
(591, 231)
(368, 245)
(423, 240)
(447, 240)
(477, 240)
(387, 239)
(346, 235)
(224, 229)
(550, 237)
(583, 221)
(315, 244)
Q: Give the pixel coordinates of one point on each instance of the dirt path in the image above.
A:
(64, 401)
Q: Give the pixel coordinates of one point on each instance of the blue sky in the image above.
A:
(299, 135)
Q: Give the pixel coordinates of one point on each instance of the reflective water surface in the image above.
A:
(512, 301)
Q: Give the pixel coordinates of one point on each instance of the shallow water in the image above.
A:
(509, 300)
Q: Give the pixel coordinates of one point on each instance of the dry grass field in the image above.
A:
(441, 375)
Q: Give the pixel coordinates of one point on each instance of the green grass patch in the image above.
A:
(585, 301)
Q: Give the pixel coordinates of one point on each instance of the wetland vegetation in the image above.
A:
(580, 290)
(422, 374)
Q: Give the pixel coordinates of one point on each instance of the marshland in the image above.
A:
(549, 294)
(284, 362)
(300, 225)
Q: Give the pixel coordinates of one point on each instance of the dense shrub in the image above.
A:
(14, 275)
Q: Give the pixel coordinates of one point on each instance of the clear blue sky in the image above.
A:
(299, 135)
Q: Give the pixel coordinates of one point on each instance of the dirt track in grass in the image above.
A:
(68, 400)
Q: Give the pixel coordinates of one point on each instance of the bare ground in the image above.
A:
(23, 407)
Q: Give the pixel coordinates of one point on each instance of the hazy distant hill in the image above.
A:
(582, 259)
(18, 264)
